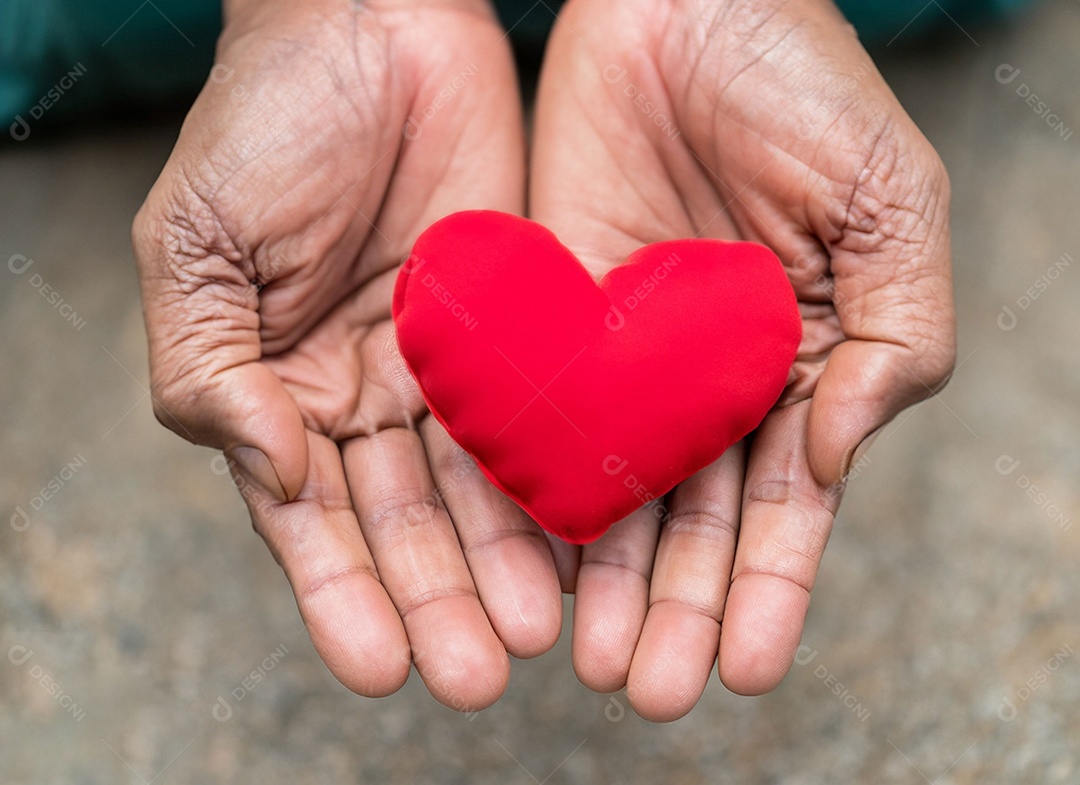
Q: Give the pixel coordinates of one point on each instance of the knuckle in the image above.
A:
(401, 514)
(177, 401)
(705, 521)
(424, 592)
(189, 403)
(498, 536)
(196, 251)
(319, 584)
(778, 487)
(794, 556)
(899, 188)
(180, 234)
(936, 365)
(141, 232)
(789, 489)
(170, 410)
(923, 365)
(937, 176)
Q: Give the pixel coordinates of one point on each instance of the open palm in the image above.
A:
(763, 121)
(320, 148)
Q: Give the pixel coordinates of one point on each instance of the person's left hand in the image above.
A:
(766, 121)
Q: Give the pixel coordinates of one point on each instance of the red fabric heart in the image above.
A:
(580, 401)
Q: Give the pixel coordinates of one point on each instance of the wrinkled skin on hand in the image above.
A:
(267, 251)
(763, 121)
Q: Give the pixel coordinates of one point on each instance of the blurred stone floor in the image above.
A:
(947, 606)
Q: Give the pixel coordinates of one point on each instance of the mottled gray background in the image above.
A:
(141, 591)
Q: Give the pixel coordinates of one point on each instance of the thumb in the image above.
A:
(208, 383)
(246, 412)
(864, 386)
(901, 349)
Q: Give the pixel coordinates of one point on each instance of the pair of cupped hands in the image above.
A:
(331, 133)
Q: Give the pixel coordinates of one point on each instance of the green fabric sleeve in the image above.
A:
(58, 57)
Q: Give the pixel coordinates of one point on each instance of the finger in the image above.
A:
(611, 600)
(316, 539)
(412, 540)
(507, 553)
(679, 641)
(895, 306)
(892, 273)
(207, 383)
(786, 520)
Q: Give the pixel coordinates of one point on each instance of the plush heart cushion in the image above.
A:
(583, 401)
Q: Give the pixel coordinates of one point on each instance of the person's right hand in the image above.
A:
(328, 137)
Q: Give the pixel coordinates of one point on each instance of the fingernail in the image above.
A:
(254, 461)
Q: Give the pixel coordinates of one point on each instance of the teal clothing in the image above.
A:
(878, 21)
(58, 57)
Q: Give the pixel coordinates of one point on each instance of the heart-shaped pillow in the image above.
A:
(581, 401)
